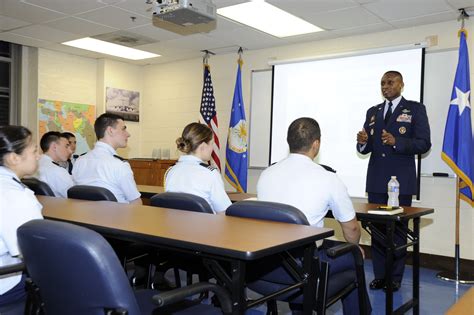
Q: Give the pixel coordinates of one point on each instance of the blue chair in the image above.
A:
(38, 187)
(268, 280)
(181, 201)
(77, 272)
(94, 193)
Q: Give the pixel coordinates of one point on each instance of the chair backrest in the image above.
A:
(93, 193)
(38, 187)
(75, 269)
(265, 210)
(181, 201)
(269, 270)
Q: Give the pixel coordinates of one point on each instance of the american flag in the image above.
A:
(209, 114)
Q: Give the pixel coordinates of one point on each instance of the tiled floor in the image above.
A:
(436, 296)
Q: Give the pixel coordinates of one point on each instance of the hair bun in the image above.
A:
(183, 145)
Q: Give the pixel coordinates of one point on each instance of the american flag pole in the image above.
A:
(208, 109)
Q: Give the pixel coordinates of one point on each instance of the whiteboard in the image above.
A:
(440, 68)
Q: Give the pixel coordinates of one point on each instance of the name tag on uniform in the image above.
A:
(404, 118)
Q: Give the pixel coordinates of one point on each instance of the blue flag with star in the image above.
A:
(236, 151)
(458, 144)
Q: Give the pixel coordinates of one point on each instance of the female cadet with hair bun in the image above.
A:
(192, 174)
(18, 157)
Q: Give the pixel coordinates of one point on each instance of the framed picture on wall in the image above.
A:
(123, 102)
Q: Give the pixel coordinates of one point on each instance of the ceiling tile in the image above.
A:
(198, 42)
(226, 3)
(310, 37)
(307, 7)
(248, 38)
(137, 6)
(115, 17)
(8, 23)
(27, 12)
(80, 26)
(342, 19)
(154, 32)
(458, 4)
(23, 40)
(428, 19)
(67, 6)
(374, 28)
(390, 10)
(45, 33)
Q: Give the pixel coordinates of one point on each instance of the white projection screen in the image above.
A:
(337, 93)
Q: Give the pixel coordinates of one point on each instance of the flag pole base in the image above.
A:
(464, 277)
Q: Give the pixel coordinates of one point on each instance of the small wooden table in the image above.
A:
(216, 238)
(387, 238)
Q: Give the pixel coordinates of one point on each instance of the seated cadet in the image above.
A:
(73, 157)
(192, 174)
(102, 166)
(55, 150)
(299, 182)
(18, 204)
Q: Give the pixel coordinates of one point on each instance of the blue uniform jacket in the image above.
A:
(409, 125)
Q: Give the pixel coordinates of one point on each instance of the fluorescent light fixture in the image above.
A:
(268, 18)
(107, 48)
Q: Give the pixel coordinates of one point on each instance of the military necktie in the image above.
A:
(388, 113)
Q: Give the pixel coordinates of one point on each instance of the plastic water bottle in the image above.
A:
(393, 191)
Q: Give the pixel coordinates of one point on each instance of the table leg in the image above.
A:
(390, 229)
(310, 269)
(238, 287)
(416, 266)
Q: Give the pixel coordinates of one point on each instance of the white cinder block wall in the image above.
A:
(170, 96)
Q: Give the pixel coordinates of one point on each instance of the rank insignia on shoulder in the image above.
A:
(209, 167)
(120, 158)
(83, 153)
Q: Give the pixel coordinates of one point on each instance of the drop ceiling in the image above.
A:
(48, 23)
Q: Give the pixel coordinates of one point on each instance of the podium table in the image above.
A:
(413, 239)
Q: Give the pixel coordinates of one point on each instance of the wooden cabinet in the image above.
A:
(150, 172)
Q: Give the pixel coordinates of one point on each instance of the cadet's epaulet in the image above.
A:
(55, 163)
(328, 168)
(209, 167)
(82, 154)
(120, 158)
(21, 184)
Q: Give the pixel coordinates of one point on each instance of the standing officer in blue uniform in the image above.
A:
(394, 132)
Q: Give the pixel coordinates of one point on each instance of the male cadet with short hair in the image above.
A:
(299, 182)
(73, 157)
(56, 149)
(102, 166)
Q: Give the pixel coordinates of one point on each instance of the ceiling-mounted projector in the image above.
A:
(184, 16)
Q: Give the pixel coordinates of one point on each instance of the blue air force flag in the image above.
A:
(236, 151)
(458, 144)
